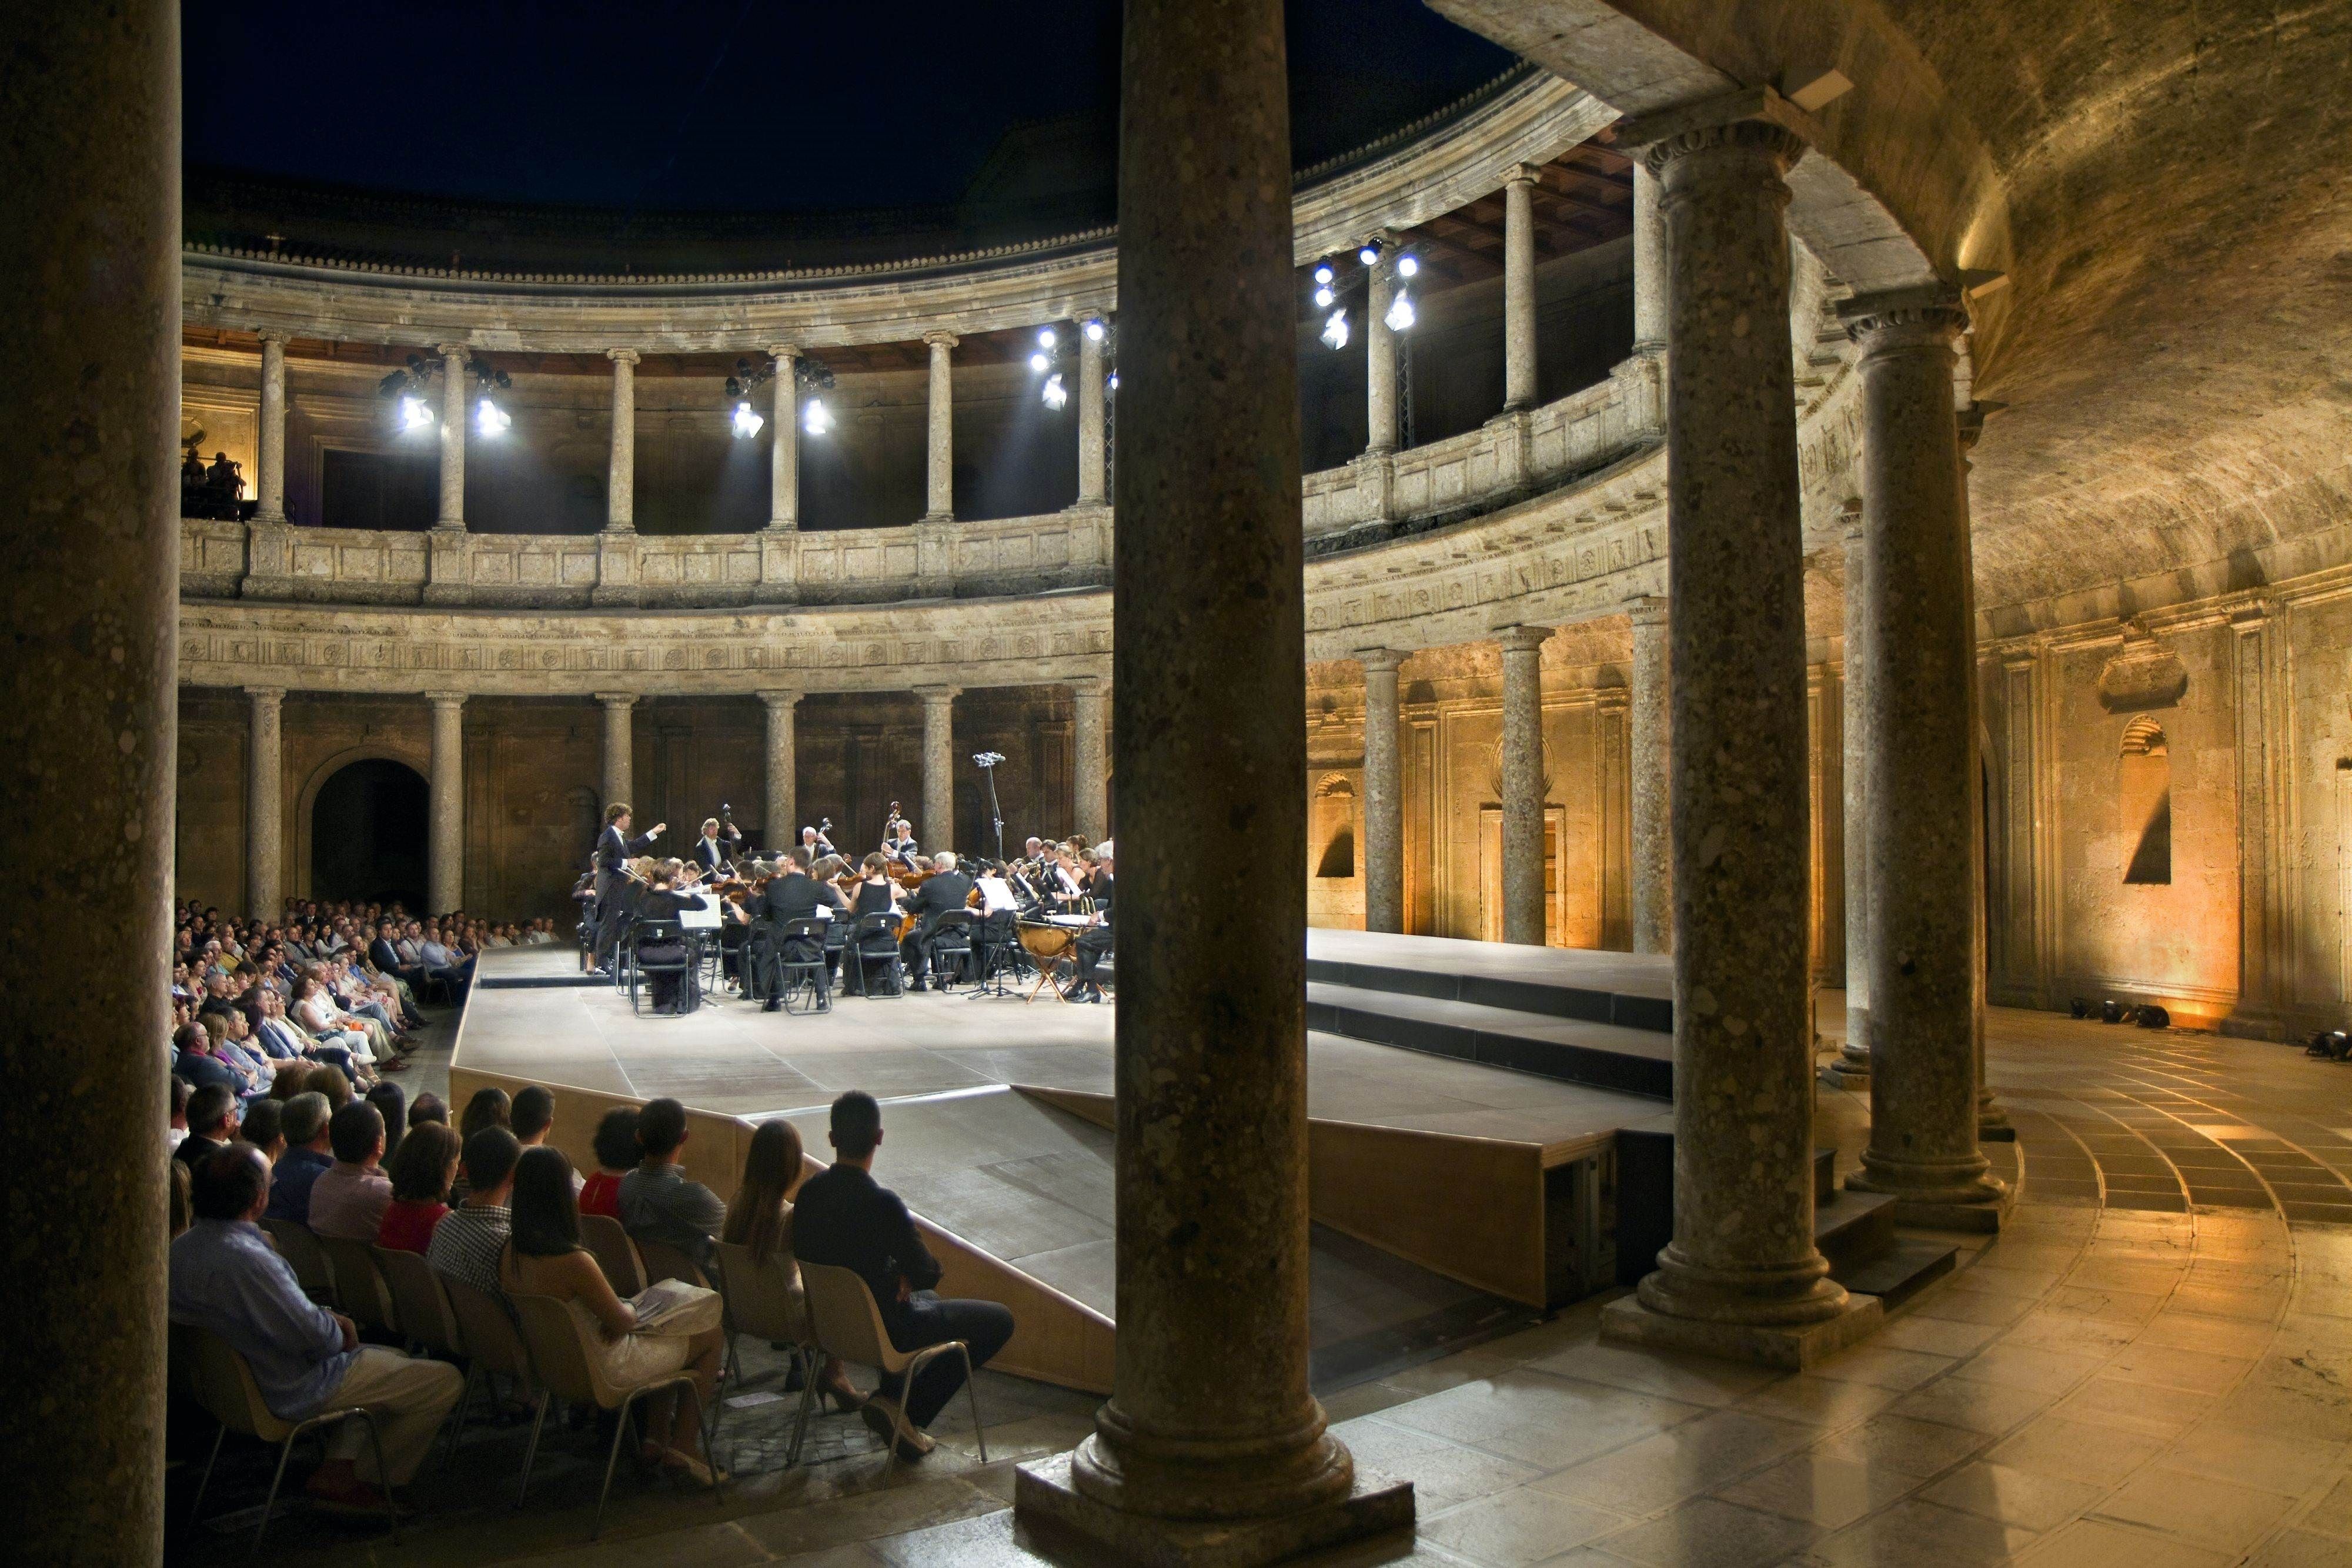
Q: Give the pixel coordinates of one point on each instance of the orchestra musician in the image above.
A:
(899, 842)
(797, 895)
(814, 841)
(1096, 940)
(945, 891)
(708, 855)
(615, 847)
(666, 892)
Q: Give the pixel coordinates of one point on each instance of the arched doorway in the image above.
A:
(370, 826)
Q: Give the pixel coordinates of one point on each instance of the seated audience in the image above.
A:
(182, 1196)
(390, 1103)
(306, 1159)
(761, 1218)
(227, 1278)
(530, 1115)
(548, 1259)
(349, 1197)
(616, 1157)
(265, 1128)
(487, 1108)
(178, 1130)
(212, 1123)
(421, 1174)
(844, 1218)
(428, 1107)
(658, 1202)
(466, 1242)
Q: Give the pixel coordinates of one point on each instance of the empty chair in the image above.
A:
(614, 1252)
(303, 1255)
(359, 1283)
(846, 1324)
(211, 1369)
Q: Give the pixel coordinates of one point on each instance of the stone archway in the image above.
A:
(301, 872)
(370, 834)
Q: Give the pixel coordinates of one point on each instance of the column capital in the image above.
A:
(278, 335)
(785, 698)
(622, 356)
(447, 699)
(1092, 685)
(265, 696)
(1522, 639)
(783, 353)
(452, 350)
(942, 339)
(1647, 608)
(1754, 116)
(618, 699)
(933, 696)
(1382, 659)
(1929, 315)
(1523, 174)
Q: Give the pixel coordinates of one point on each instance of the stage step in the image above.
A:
(1574, 1050)
(1589, 1002)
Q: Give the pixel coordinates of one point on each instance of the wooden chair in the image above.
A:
(359, 1283)
(844, 1322)
(223, 1383)
(615, 1254)
(303, 1254)
(571, 1368)
(492, 1347)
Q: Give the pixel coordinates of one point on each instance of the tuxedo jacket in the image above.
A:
(611, 849)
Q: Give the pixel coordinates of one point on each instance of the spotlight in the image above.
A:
(1335, 330)
(2153, 1017)
(489, 419)
(1046, 337)
(817, 419)
(1323, 297)
(2111, 1012)
(416, 414)
(1041, 362)
(1055, 395)
(1407, 267)
(747, 422)
(1112, 385)
(1095, 329)
(1400, 315)
(1369, 254)
(1323, 273)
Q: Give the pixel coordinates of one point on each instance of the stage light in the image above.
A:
(1040, 364)
(817, 419)
(416, 414)
(1323, 273)
(1323, 297)
(1335, 330)
(1400, 317)
(1112, 385)
(1095, 329)
(1407, 267)
(747, 422)
(1055, 395)
(489, 419)
(1045, 337)
(1369, 254)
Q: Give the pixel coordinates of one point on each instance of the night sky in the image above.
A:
(755, 105)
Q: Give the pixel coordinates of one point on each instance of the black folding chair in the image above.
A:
(949, 947)
(875, 940)
(647, 934)
(801, 965)
(997, 941)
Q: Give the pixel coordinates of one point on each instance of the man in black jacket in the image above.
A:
(615, 846)
(946, 890)
(796, 895)
(843, 1216)
(1096, 940)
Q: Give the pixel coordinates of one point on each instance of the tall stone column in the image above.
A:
(1383, 793)
(619, 746)
(1091, 699)
(1741, 1276)
(1519, 288)
(621, 481)
(936, 828)
(781, 830)
(1993, 1117)
(1920, 738)
(1380, 359)
(784, 457)
(265, 809)
(1523, 784)
(1212, 1446)
(1090, 420)
(1649, 264)
(453, 411)
(91, 248)
(270, 483)
(447, 788)
(1649, 737)
(1852, 1068)
(939, 486)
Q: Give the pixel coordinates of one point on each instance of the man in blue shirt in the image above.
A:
(227, 1278)
(306, 1158)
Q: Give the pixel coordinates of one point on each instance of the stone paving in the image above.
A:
(2151, 1365)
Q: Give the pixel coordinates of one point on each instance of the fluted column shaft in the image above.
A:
(452, 514)
(1523, 784)
(781, 828)
(270, 483)
(1383, 794)
(940, 488)
(1649, 739)
(784, 457)
(1090, 420)
(1381, 361)
(620, 471)
(1650, 313)
(1519, 288)
(1090, 700)
(1851, 1068)
(265, 827)
(619, 746)
(936, 831)
(447, 794)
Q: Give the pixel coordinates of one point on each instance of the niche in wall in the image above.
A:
(1333, 828)
(2144, 797)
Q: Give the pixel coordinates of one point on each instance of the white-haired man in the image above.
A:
(946, 890)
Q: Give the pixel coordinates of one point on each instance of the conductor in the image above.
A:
(614, 847)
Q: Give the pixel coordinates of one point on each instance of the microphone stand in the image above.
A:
(986, 761)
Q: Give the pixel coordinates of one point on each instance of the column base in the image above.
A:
(1974, 1204)
(1790, 1347)
(1843, 1073)
(1045, 1500)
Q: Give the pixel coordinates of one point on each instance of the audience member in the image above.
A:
(844, 1218)
(428, 1107)
(349, 1197)
(530, 1114)
(657, 1201)
(390, 1103)
(212, 1123)
(265, 1128)
(466, 1242)
(616, 1157)
(761, 1218)
(178, 1130)
(306, 1158)
(486, 1108)
(421, 1174)
(182, 1190)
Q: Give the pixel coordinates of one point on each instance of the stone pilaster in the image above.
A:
(1381, 361)
(1090, 702)
(935, 831)
(1920, 743)
(1524, 785)
(616, 568)
(270, 481)
(621, 472)
(939, 481)
(265, 818)
(447, 790)
(1090, 420)
(1211, 1447)
(1742, 1276)
(1519, 288)
(1649, 714)
(620, 748)
(1650, 313)
(1852, 1068)
(1383, 793)
(453, 413)
(784, 457)
(781, 828)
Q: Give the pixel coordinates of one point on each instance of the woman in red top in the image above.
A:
(616, 1157)
(421, 1173)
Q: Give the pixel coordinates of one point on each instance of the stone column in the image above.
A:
(1649, 264)
(782, 830)
(1383, 793)
(1523, 784)
(784, 457)
(619, 749)
(1090, 420)
(1379, 360)
(270, 483)
(1090, 696)
(1519, 288)
(936, 828)
(445, 870)
(265, 809)
(1212, 1447)
(1649, 737)
(1920, 740)
(1993, 1118)
(1741, 1276)
(91, 247)
(940, 485)
(454, 413)
(621, 482)
(1852, 1068)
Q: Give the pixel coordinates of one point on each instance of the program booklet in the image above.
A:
(664, 1300)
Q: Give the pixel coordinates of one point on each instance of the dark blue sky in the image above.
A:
(745, 104)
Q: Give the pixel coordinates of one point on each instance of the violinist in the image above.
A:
(797, 895)
(945, 891)
(877, 894)
(666, 892)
